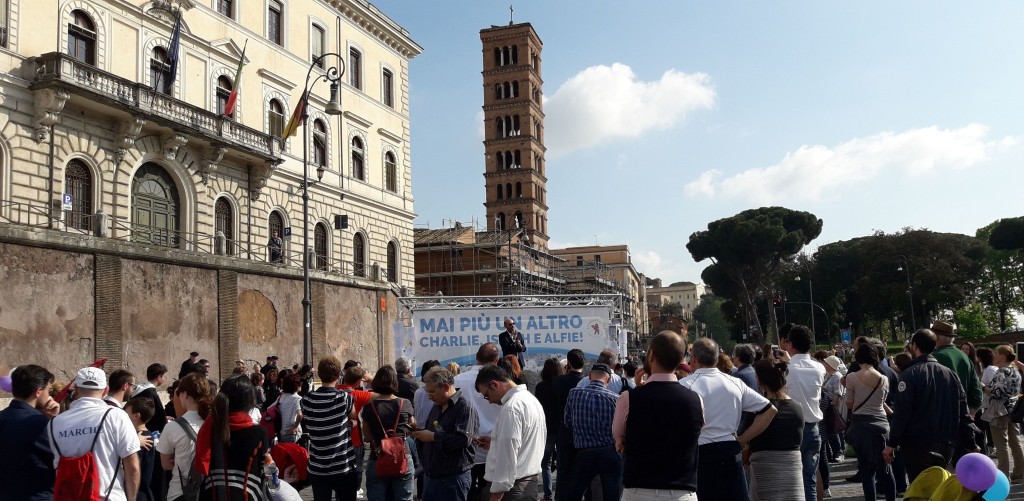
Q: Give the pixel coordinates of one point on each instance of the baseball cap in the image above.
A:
(91, 378)
(601, 367)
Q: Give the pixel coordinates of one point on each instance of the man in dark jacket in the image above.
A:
(512, 343)
(407, 384)
(26, 465)
(189, 365)
(930, 411)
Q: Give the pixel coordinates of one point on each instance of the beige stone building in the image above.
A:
(89, 113)
(607, 269)
(143, 181)
(687, 294)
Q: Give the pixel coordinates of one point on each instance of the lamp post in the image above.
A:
(810, 286)
(332, 75)
(904, 265)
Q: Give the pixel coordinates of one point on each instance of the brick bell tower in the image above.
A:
(514, 131)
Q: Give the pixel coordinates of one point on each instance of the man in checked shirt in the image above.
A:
(588, 413)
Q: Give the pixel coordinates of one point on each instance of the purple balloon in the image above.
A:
(5, 383)
(976, 472)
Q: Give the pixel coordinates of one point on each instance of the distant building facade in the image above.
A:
(687, 294)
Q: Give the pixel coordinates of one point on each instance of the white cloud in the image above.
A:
(811, 171)
(647, 262)
(480, 125)
(604, 102)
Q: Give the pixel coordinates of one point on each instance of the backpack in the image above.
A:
(271, 421)
(191, 481)
(77, 477)
(391, 461)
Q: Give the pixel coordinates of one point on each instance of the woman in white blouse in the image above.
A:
(177, 447)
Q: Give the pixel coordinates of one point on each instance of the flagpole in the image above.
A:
(175, 40)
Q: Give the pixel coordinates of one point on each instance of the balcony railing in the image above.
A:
(97, 225)
(79, 78)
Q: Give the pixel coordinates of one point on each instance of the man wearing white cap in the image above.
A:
(92, 425)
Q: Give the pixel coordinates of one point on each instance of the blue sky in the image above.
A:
(665, 115)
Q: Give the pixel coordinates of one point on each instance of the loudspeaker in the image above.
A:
(341, 221)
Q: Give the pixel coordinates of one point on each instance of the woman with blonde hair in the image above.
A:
(453, 367)
(1003, 392)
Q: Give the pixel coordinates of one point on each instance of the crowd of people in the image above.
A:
(684, 422)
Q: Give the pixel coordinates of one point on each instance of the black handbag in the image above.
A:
(1017, 413)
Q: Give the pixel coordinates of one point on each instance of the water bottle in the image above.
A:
(156, 438)
(270, 472)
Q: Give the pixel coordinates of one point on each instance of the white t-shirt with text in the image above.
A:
(73, 432)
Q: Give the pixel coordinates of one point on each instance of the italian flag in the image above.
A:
(229, 109)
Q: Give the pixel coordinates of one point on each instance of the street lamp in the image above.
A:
(810, 286)
(904, 265)
(333, 107)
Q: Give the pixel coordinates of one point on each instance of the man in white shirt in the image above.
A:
(806, 376)
(486, 355)
(719, 467)
(606, 357)
(121, 384)
(74, 433)
(516, 444)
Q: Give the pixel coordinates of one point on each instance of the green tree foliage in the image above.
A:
(674, 309)
(712, 320)
(865, 280)
(1001, 283)
(747, 249)
(972, 322)
(1008, 234)
(652, 282)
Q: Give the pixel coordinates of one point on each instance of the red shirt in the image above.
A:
(359, 397)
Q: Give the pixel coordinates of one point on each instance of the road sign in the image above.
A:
(845, 335)
(66, 202)
(288, 232)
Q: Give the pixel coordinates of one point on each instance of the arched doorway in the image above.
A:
(155, 207)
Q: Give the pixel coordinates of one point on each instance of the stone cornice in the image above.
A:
(376, 23)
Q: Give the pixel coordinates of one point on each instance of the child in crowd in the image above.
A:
(140, 409)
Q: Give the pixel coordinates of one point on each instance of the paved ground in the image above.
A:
(841, 490)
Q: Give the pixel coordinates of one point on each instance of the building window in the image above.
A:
(5, 15)
(317, 45)
(355, 68)
(359, 255)
(224, 7)
(388, 92)
(78, 184)
(508, 189)
(500, 192)
(82, 38)
(275, 228)
(518, 221)
(500, 221)
(390, 172)
(160, 71)
(224, 88)
(224, 222)
(320, 246)
(275, 117)
(358, 159)
(155, 207)
(275, 22)
(519, 189)
(392, 262)
(319, 143)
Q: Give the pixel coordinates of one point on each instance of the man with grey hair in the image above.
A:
(407, 384)
(719, 468)
(606, 357)
(743, 368)
(447, 435)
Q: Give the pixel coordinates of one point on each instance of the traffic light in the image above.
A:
(776, 298)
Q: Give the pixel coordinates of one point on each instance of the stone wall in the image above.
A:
(63, 308)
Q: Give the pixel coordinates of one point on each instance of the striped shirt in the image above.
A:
(325, 418)
(588, 413)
